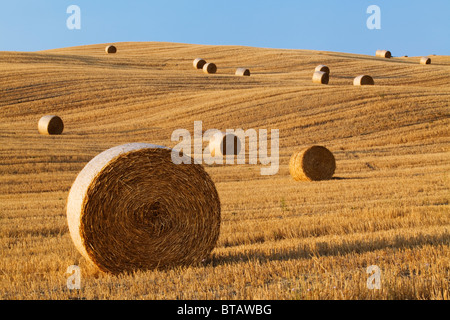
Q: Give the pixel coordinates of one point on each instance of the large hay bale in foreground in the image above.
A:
(210, 68)
(110, 49)
(242, 72)
(425, 60)
(322, 68)
(223, 144)
(199, 63)
(383, 54)
(312, 164)
(363, 80)
(320, 77)
(132, 208)
(50, 124)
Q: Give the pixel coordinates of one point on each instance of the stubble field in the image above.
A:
(387, 205)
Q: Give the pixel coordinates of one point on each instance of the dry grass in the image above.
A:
(387, 205)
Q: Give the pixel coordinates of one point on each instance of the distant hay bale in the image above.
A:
(383, 54)
(312, 164)
(242, 72)
(210, 68)
(50, 124)
(111, 49)
(132, 208)
(363, 80)
(425, 60)
(199, 63)
(223, 144)
(322, 68)
(320, 77)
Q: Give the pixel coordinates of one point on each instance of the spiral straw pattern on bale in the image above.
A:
(132, 208)
(210, 68)
(383, 54)
(242, 72)
(425, 60)
(363, 80)
(199, 63)
(111, 49)
(50, 125)
(322, 68)
(312, 164)
(320, 77)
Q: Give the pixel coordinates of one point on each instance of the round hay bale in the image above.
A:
(132, 208)
(110, 49)
(425, 60)
(383, 54)
(50, 125)
(199, 63)
(225, 144)
(243, 72)
(312, 164)
(322, 68)
(320, 77)
(210, 68)
(363, 80)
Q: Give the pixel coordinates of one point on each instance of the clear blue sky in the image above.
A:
(408, 27)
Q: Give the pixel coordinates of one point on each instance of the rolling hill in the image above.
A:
(387, 205)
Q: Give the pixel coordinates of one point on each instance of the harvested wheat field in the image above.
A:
(387, 203)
